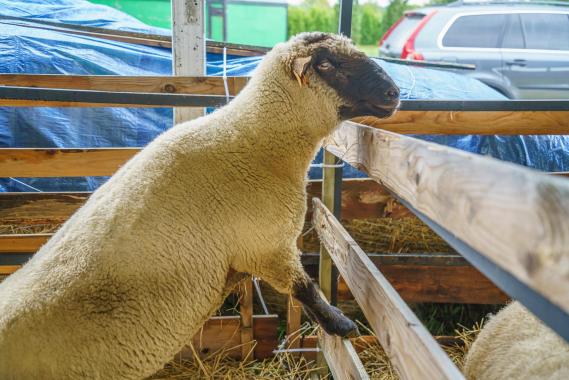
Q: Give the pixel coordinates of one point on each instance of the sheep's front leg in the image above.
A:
(287, 275)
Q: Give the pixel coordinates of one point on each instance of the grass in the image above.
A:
(370, 50)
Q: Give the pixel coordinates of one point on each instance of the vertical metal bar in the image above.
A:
(332, 182)
(332, 195)
(224, 15)
(345, 22)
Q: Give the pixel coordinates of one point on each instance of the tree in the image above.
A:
(318, 15)
(393, 12)
(370, 23)
(440, 2)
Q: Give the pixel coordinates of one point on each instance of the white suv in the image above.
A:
(519, 48)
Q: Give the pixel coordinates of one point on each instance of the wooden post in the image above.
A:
(188, 47)
(246, 311)
(293, 320)
(331, 197)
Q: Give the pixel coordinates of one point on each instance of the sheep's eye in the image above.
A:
(325, 65)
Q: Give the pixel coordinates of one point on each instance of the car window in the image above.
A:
(513, 36)
(475, 31)
(547, 31)
(401, 33)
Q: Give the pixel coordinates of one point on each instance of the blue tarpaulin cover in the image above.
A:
(25, 49)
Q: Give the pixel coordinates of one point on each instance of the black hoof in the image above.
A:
(337, 323)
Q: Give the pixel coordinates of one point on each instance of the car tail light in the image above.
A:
(409, 47)
(390, 30)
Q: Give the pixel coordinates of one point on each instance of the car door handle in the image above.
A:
(517, 62)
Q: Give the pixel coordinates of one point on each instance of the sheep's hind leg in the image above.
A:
(287, 275)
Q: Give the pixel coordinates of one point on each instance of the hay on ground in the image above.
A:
(387, 235)
(290, 366)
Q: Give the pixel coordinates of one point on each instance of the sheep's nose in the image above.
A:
(392, 93)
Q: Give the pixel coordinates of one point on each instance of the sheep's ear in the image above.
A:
(299, 68)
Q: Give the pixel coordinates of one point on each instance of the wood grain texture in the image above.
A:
(477, 122)
(8, 269)
(148, 84)
(515, 217)
(425, 282)
(22, 243)
(361, 199)
(156, 40)
(28, 209)
(329, 183)
(426, 278)
(411, 348)
(437, 284)
(293, 321)
(223, 333)
(188, 47)
(60, 162)
(341, 357)
(246, 314)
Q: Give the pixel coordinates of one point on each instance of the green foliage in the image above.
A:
(370, 24)
(312, 15)
(318, 15)
(393, 12)
(440, 2)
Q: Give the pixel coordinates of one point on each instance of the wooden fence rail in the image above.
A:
(410, 347)
(509, 221)
(416, 117)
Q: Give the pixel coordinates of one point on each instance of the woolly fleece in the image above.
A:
(516, 345)
(132, 276)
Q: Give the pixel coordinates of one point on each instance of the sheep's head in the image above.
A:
(321, 60)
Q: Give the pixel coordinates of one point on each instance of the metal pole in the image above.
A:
(332, 177)
(345, 22)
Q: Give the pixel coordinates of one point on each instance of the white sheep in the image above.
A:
(137, 270)
(514, 344)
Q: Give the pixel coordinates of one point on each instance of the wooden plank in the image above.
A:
(223, 333)
(293, 321)
(148, 84)
(60, 162)
(15, 96)
(265, 332)
(329, 184)
(437, 284)
(341, 357)
(361, 199)
(427, 278)
(408, 344)
(468, 123)
(246, 314)
(105, 36)
(137, 38)
(514, 218)
(29, 209)
(423, 279)
(364, 341)
(188, 47)
(8, 269)
(22, 243)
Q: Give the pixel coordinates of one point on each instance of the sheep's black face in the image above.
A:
(364, 87)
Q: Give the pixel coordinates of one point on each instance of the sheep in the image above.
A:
(514, 344)
(137, 270)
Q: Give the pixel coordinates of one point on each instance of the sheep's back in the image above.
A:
(516, 345)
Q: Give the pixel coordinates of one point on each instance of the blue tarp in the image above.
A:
(25, 49)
